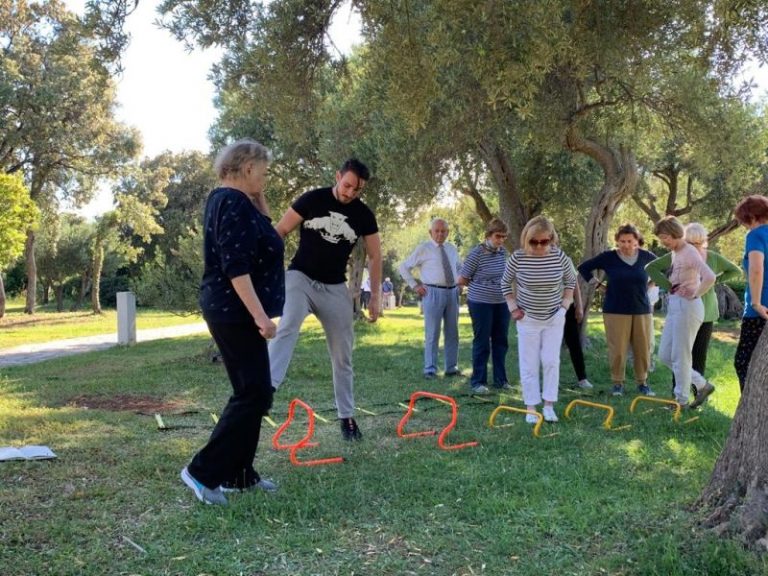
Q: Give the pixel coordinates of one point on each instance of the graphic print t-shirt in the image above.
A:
(328, 234)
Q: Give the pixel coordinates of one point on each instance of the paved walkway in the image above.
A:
(31, 353)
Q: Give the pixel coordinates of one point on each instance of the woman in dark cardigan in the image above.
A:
(243, 288)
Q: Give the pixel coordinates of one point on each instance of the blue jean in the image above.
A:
(441, 307)
(490, 325)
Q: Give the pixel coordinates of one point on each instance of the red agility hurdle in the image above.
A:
(304, 442)
(441, 438)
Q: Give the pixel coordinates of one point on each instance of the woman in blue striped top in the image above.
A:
(482, 272)
(538, 284)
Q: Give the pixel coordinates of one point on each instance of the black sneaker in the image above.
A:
(349, 430)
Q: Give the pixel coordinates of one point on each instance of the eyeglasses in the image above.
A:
(534, 242)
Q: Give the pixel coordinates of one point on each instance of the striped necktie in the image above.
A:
(447, 269)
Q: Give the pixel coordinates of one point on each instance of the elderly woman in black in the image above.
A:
(243, 287)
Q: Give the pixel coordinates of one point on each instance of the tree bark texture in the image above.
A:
(356, 267)
(736, 498)
(31, 270)
(2, 296)
(97, 265)
(620, 178)
(512, 209)
(728, 302)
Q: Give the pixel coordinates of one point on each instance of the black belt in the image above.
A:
(443, 287)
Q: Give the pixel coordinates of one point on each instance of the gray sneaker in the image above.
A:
(702, 395)
(262, 484)
(480, 389)
(203, 493)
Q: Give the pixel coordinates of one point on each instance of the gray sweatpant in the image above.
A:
(332, 304)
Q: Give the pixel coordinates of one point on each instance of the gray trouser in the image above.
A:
(332, 305)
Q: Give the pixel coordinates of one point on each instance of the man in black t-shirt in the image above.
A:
(331, 221)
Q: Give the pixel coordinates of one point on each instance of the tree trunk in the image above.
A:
(31, 269)
(81, 291)
(356, 267)
(2, 295)
(620, 178)
(45, 288)
(97, 263)
(736, 498)
(512, 208)
(728, 302)
(58, 292)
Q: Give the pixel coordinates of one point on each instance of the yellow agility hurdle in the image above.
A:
(502, 408)
(675, 405)
(577, 402)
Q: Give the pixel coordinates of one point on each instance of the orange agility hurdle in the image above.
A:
(504, 407)
(305, 441)
(444, 433)
(672, 403)
(578, 402)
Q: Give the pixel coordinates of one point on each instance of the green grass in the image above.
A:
(579, 500)
(17, 328)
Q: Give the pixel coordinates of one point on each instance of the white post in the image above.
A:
(126, 318)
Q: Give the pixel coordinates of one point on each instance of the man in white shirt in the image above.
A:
(439, 266)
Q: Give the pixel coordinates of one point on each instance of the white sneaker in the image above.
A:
(585, 384)
(549, 414)
(531, 418)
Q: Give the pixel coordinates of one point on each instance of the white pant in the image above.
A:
(538, 347)
(680, 327)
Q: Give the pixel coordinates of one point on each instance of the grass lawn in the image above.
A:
(579, 500)
(17, 328)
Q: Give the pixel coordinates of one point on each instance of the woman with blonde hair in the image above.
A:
(725, 270)
(538, 283)
(689, 279)
(242, 289)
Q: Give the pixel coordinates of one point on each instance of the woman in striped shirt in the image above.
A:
(482, 272)
(538, 283)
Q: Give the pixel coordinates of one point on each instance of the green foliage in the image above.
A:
(172, 282)
(57, 99)
(17, 214)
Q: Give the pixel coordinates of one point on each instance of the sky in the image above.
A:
(165, 91)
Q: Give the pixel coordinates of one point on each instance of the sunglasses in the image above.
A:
(534, 242)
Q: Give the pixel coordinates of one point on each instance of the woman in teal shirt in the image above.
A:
(724, 269)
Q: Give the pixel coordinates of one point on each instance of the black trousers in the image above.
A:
(573, 342)
(751, 328)
(228, 455)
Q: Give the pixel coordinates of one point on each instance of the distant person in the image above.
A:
(626, 308)
(330, 221)
(689, 279)
(752, 213)
(243, 287)
(538, 284)
(481, 272)
(365, 291)
(388, 293)
(438, 265)
(725, 270)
